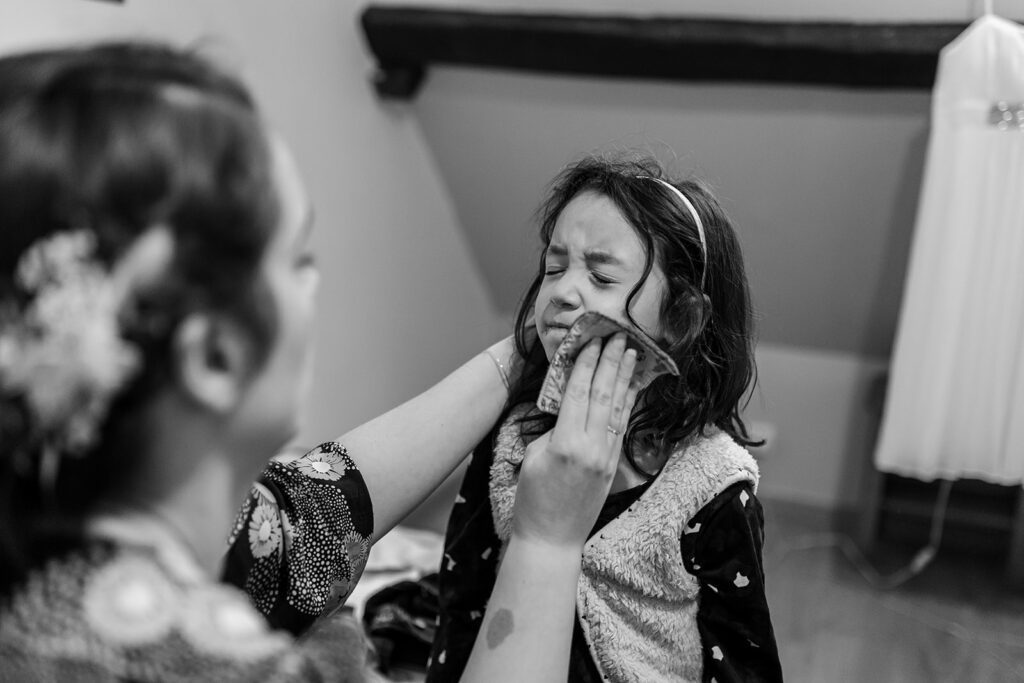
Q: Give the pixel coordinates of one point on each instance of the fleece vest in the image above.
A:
(636, 602)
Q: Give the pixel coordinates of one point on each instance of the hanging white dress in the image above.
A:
(955, 404)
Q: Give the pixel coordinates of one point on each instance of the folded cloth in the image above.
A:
(401, 621)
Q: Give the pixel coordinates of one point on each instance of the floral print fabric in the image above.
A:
(301, 540)
(117, 612)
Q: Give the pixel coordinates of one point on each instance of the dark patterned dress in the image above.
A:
(131, 606)
(737, 638)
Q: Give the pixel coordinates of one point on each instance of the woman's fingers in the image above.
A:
(619, 418)
(602, 388)
(572, 414)
(567, 472)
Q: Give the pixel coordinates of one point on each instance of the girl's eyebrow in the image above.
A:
(591, 256)
(601, 257)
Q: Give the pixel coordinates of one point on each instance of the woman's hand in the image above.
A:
(567, 472)
(526, 633)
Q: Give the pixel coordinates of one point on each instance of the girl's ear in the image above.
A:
(692, 318)
(212, 355)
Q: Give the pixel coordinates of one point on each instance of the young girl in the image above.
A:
(672, 587)
(156, 298)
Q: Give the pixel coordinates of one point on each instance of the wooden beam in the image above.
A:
(406, 41)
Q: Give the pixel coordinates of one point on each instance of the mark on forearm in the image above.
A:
(500, 628)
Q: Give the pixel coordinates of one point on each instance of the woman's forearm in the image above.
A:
(565, 475)
(527, 629)
(407, 452)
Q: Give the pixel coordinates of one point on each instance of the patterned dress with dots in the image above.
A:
(301, 539)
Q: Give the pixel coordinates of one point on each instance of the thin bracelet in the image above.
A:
(501, 369)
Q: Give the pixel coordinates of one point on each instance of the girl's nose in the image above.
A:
(566, 293)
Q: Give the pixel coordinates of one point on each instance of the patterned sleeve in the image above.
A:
(301, 539)
(733, 619)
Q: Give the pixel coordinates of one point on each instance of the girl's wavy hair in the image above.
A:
(711, 327)
(115, 139)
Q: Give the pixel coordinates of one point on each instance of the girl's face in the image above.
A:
(594, 260)
(269, 415)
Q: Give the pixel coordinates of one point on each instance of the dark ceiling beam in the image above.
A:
(406, 41)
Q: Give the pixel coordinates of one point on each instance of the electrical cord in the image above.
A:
(921, 559)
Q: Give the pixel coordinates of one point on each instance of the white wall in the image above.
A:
(822, 183)
(401, 303)
(821, 411)
(822, 186)
(403, 300)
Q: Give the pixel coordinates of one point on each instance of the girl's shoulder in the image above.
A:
(116, 612)
(703, 467)
(712, 447)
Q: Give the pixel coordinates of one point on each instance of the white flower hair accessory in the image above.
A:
(63, 354)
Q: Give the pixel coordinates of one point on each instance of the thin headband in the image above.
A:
(696, 219)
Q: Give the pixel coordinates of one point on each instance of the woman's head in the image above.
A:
(619, 241)
(155, 165)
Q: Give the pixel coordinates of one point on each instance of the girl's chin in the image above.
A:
(550, 345)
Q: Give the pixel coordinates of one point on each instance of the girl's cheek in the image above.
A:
(543, 297)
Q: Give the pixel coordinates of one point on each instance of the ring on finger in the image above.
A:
(613, 431)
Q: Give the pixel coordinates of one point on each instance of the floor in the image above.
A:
(956, 621)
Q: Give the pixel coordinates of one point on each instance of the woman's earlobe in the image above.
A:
(212, 361)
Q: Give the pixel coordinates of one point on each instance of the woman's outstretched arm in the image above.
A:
(527, 629)
(407, 452)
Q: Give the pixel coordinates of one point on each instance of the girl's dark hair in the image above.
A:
(117, 139)
(711, 327)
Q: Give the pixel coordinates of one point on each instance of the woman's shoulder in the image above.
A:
(113, 612)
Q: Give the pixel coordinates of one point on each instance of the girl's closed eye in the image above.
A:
(553, 269)
(602, 280)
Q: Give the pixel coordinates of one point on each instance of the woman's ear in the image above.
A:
(213, 358)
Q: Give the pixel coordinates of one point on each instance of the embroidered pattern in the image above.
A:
(322, 465)
(264, 530)
(117, 613)
(129, 602)
(309, 524)
(1007, 116)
